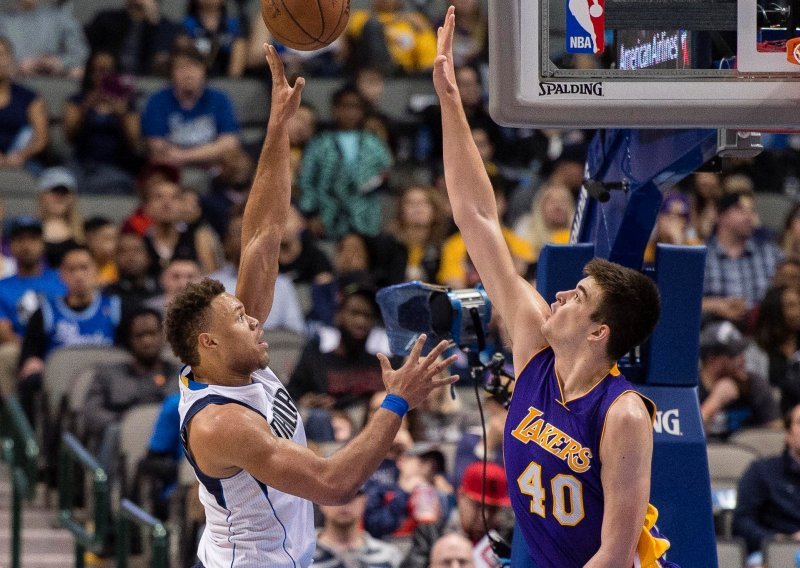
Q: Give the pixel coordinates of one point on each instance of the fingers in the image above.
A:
(386, 366)
(417, 349)
(436, 351)
(444, 381)
(275, 63)
(449, 28)
(299, 83)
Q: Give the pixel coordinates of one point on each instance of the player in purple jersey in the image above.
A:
(579, 439)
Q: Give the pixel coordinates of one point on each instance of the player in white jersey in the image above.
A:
(239, 427)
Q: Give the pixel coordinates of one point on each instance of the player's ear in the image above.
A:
(207, 341)
(600, 333)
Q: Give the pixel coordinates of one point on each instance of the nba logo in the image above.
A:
(586, 25)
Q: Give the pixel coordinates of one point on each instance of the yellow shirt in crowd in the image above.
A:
(409, 37)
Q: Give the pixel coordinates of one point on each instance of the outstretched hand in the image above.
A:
(418, 376)
(285, 98)
(444, 74)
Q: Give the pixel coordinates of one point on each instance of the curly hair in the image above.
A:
(188, 316)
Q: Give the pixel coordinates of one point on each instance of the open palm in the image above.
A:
(285, 98)
(444, 75)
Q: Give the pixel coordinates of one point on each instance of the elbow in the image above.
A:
(338, 490)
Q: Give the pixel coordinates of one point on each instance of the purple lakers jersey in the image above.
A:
(552, 459)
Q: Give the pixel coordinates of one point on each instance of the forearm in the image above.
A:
(355, 463)
(211, 152)
(468, 185)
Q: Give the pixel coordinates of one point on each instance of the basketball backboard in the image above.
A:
(643, 63)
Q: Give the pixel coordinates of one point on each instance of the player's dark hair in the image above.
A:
(188, 316)
(630, 305)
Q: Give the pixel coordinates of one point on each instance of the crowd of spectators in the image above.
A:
(369, 210)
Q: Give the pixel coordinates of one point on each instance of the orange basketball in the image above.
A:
(305, 25)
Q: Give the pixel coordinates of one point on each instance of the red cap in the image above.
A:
(496, 484)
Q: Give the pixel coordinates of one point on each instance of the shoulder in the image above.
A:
(219, 425)
(627, 418)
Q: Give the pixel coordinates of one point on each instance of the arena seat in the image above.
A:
(18, 183)
(136, 428)
(250, 98)
(731, 553)
(772, 209)
(54, 90)
(763, 441)
(780, 554)
(727, 462)
(284, 350)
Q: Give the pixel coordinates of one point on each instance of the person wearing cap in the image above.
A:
(62, 224)
(23, 117)
(738, 265)
(731, 397)
(342, 541)
(672, 224)
(467, 518)
(768, 495)
(19, 294)
(189, 123)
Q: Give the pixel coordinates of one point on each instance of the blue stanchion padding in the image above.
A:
(680, 485)
(520, 556)
(673, 350)
(560, 267)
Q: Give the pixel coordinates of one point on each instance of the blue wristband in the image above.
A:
(396, 404)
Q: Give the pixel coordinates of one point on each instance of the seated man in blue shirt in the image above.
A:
(19, 294)
(188, 123)
(768, 498)
(83, 316)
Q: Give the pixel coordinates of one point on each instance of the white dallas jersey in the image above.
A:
(249, 524)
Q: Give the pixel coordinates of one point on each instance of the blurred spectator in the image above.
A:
(47, 38)
(23, 115)
(151, 174)
(208, 244)
(451, 550)
(768, 496)
(117, 387)
(420, 224)
(138, 36)
(229, 190)
(707, 190)
(672, 224)
(19, 294)
(62, 224)
(218, 36)
(300, 257)
(302, 128)
(778, 331)
(340, 172)
(470, 447)
(8, 265)
(342, 542)
(787, 273)
(790, 238)
(438, 418)
(731, 398)
(338, 367)
(189, 123)
(169, 238)
(135, 282)
(738, 266)
(471, 35)
(370, 82)
(549, 219)
(102, 125)
(101, 240)
(83, 316)
(453, 271)
(159, 467)
(467, 519)
(285, 312)
(391, 39)
(174, 278)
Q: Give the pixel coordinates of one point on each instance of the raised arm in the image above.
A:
(475, 212)
(268, 205)
(229, 438)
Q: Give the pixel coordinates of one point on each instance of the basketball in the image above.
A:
(305, 25)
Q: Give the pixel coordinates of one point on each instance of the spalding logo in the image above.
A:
(594, 89)
(668, 422)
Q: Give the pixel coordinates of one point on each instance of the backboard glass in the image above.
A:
(643, 63)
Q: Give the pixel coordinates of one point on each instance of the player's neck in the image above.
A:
(579, 369)
(210, 374)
